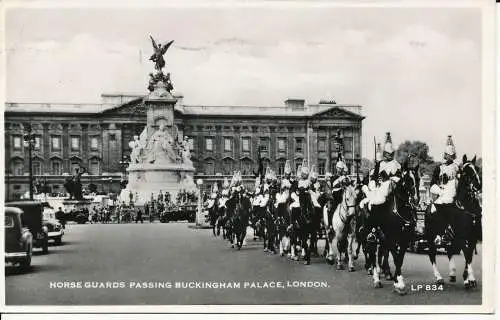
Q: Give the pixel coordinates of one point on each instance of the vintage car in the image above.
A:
(18, 239)
(32, 217)
(54, 227)
(179, 213)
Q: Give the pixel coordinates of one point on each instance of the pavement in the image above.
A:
(126, 264)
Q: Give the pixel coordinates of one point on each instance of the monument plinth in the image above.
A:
(160, 159)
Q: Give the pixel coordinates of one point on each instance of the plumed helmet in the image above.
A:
(313, 174)
(340, 166)
(378, 152)
(304, 170)
(215, 189)
(239, 179)
(257, 190)
(328, 175)
(225, 192)
(257, 182)
(286, 184)
(288, 167)
(450, 148)
(267, 175)
(388, 148)
(225, 184)
(299, 170)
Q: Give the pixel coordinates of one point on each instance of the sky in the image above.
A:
(415, 71)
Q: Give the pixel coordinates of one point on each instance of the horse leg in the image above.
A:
(338, 244)
(376, 270)
(307, 244)
(386, 267)
(350, 240)
(398, 256)
(469, 279)
(451, 250)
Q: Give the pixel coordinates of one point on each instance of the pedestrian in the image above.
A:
(138, 216)
(61, 217)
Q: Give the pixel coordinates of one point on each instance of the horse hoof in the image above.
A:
(472, 284)
(340, 267)
(466, 285)
(232, 246)
(281, 254)
(389, 277)
(307, 263)
(370, 272)
(351, 269)
(295, 258)
(355, 257)
(400, 291)
(453, 279)
(330, 261)
(377, 284)
(439, 282)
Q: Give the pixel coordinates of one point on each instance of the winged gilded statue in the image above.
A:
(160, 50)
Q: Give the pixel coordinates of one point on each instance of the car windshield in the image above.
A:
(9, 221)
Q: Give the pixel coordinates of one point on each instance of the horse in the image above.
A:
(240, 205)
(341, 231)
(394, 222)
(462, 220)
(302, 225)
(270, 235)
(212, 214)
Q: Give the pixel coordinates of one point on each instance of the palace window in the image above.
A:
(321, 168)
(18, 167)
(264, 144)
(38, 142)
(228, 144)
(94, 143)
(210, 167)
(348, 144)
(191, 144)
(73, 167)
(75, 143)
(281, 167)
(246, 167)
(56, 167)
(112, 137)
(17, 142)
(245, 144)
(299, 145)
(321, 144)
(37, 168)
(282, 144)
(56, 143)
(94, 167)
(209, 144)
(227, 166)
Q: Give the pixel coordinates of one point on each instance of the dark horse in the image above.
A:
(395, 221)
(212, 214)
(462, 222)
(239, 204)
(302, 225)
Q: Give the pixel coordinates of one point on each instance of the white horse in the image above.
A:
(342, 231)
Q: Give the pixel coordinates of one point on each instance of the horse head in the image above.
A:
(350, 198)
(410, 183)
(469, 186)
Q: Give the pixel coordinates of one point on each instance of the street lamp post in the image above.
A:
(29, 142)
(358, 162)
(199, 214)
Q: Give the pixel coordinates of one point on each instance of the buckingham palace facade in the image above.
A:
(222, 138)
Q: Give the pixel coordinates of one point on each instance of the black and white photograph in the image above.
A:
(320, 156)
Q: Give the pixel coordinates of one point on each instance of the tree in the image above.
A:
(420, 155)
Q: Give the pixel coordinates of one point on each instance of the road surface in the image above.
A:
(137, 262)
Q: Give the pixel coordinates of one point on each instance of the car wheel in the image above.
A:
(58, 240)
(45, 246)
(26, 263)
